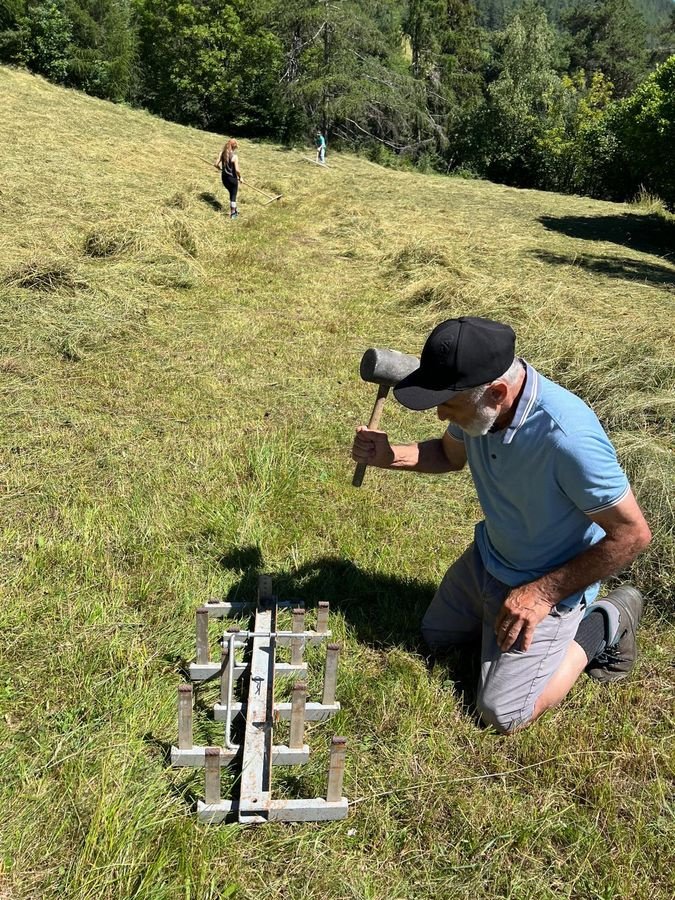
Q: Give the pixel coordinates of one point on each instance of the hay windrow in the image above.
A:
(168, 271)
(108, 240)
(184, 237)
(45, 276)
(179, 200)
(416, 255)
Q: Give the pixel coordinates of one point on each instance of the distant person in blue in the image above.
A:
(228, 163)
(320, 142)
(559, 517)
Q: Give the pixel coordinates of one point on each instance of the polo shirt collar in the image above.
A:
(526, 403)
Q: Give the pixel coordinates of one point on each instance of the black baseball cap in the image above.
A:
(458, 354)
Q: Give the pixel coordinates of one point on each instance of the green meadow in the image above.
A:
(179, 395)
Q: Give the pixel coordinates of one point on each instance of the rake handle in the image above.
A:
(249, 185)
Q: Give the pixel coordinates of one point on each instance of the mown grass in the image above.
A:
(177, 418)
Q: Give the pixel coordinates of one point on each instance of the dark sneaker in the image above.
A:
(622, 608)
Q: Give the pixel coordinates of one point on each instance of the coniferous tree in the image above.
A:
(608, 36)
(344, 71)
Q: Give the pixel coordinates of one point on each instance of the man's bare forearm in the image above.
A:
(608, 557)
(426, 456)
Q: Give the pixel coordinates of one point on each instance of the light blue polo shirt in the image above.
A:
(538, 480)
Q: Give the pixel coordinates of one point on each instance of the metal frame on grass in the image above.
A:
(257, 753)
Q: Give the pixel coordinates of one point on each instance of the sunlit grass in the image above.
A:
(178, 410)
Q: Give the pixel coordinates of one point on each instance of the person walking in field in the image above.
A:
(228, 163)
(559, 516)
(320, 142)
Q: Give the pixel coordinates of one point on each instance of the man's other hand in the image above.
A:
(372, 448)
(524, 608)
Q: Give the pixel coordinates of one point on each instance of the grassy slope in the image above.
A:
(178, 415)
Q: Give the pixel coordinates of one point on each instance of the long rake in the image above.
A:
(270, 198)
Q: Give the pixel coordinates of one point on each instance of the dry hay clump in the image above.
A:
(417, 255)
(45, 276)
(168, 271)
(111, 239)
(179, 200)
(184, 237)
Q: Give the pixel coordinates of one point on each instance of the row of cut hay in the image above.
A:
(45, 275)
(78, 307)
(115, 237)
(150, 244)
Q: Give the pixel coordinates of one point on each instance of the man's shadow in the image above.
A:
(384, 611)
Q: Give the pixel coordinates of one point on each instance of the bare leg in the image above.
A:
(560, 683)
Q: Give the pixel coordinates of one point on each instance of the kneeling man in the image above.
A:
(559, 517)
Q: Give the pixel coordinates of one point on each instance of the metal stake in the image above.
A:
(298, 644)
(202, 636)
(212, 775)
(336, 770)
(297, 738)
(322, 611)
(330, 674)
(184, 716)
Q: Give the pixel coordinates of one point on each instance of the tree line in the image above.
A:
(569, 95)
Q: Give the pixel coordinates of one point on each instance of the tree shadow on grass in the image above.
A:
(384, 611)
(646, 233)
(614, 267)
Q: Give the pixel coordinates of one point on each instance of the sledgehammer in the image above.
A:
(384, 368)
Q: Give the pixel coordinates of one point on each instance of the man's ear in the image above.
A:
(497, 392)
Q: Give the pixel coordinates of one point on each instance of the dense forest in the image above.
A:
(568, 95)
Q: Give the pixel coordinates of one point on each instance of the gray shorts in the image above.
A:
(464, 610)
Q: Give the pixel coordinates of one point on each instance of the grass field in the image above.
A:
(179, 398)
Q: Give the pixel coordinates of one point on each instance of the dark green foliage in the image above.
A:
(104, 54)
(664, 45)
(10, 13)
(608, 36)
(494, 14)
(521, 98)
(643, 130)
(212, 64)
(45, 39)
(345, 73)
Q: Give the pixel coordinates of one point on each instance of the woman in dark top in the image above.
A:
(228, 164)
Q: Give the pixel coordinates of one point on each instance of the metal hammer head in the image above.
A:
(387, 367)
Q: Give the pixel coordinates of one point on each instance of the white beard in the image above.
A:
(482, 422)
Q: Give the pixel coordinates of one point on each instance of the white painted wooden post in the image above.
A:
(336, 770)
(298, 644)
(322, 611)
(297, 738)
(184, 716)
(330, 674)
(211, 775)
(202, 636)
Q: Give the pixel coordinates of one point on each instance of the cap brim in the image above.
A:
(413, 394)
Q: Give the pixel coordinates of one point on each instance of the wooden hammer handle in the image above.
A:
(382, 392)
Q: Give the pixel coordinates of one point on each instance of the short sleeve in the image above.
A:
(589, 473)
(455, 432)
